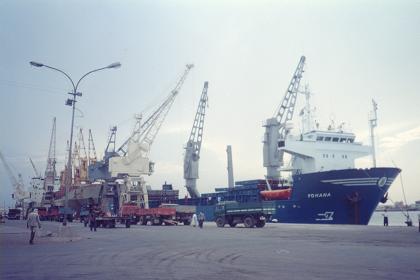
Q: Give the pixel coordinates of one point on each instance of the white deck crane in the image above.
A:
(132, 159)
(134, 152)
(276, 128)
(19, 193)
(193, 147)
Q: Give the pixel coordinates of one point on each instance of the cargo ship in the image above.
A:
(320, 182)
(324, 186)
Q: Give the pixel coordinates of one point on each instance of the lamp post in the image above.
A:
(72, 102)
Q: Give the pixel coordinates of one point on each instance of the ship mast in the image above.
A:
(373, 123)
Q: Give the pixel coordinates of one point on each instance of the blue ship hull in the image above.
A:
(347, 196)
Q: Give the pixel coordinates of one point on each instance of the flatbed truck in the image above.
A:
(251, 214)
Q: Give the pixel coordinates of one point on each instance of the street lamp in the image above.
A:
(72, 102)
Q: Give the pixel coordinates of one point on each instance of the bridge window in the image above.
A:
(343, 140)
(335, 139)
(319, 138)
(327, 138)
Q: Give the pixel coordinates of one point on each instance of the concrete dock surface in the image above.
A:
(277, 251)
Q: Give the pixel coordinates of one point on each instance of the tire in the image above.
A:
(220, 222)
(260, 224)
(249, 222)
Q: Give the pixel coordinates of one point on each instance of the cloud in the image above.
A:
(398, 140)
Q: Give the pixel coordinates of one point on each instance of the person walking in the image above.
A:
(92, 220)
(385, 214)
(194, 221)
(201, 219)
(32, 223)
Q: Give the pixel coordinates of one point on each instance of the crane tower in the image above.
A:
(193, 147)
(277, 127)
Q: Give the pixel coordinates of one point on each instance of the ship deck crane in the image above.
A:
(19, 193)
(134, 152)
(132, 159)
(276, 128)
(193, 147)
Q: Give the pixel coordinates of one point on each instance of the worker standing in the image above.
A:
(92, 220)
(194, 221)
(32, 223)
(201, 219)
(385, 214)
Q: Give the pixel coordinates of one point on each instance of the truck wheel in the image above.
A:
(260, 223)
(249, 222)
(220, 222)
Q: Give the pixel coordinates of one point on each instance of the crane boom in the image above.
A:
(50, 172)
(92, 158)
(147, 131)
(133, 154)
(192, 150)
(37, 174)
(276, 128)
(284, 112)
(19, 192)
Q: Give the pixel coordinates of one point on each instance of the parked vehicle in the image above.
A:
(69, 212)
(250, 214)
(157, 216)
(43, 214)
(183, 213)
(14, 214)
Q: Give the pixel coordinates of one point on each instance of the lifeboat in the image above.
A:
(281, 194)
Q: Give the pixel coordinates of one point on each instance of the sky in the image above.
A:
(246, 50)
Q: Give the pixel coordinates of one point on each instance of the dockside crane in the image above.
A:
(277, 127)
(19, 193)
(50, 171)
(92, 158)
(193, 147)
(134, 152)
(131, 161)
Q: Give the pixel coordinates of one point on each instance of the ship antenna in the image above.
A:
(373, 123)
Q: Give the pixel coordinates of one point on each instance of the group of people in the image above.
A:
(198, 219)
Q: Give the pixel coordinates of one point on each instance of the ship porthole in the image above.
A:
(382, 182)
